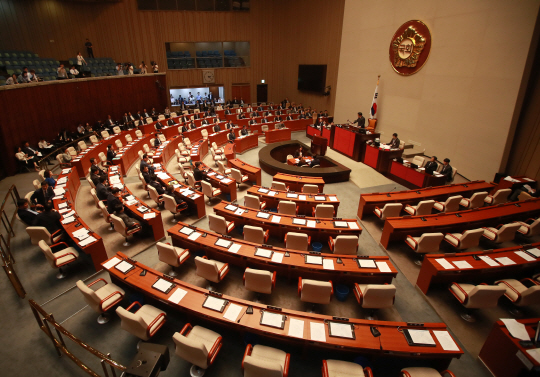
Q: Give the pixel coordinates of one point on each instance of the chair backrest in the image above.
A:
(132, 323)
(207, 189)
(187, 142)
(153, 194)
(477, 200)
(401, 144)
(37, 184)
(104, 134)
(484, 296)
(41, 176)
(72, 151)
(104, 210)
(452, 203)
(279, 186)
(152, 140)
(94, 196)
(191, 179)
(217, 224)
(419, 161)
(192, 350)
(59, 158)
(470, 238)
(310, 189)
(129, 139)
(118, 143)
(289, 156)
(254, 367)
(102, 157)
(507, 232)
(534, 228)
(391, 210)
(214, 146)
(221, 167)
(140, 153)
(204, 134)
(378, 296)
(141, 178)
(93, 139)
(324, 210)
(82, 145)
(89, 296)
(524, 196)
(38, 233)
(297, 241)
(429, 242)
(254, 234)
(347, 245)
(116, 129)
(424, 207)
(138, 133)
(531, 296)
(162, 138)
(236, 174)
(119, 225)
(287, 207)
(138, 168)
(146, 148)
(170, 203)
(318, 292)
(258, 280)
(252, 201)
(181, 169)
(47, 252)
(207, 269)
(501, 196)
(167, 254)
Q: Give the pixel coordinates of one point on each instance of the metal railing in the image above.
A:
(47, 323)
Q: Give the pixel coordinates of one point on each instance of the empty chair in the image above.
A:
(389, 210)
(315, 291)
(259, 281)
(183, 151)
(158, 199)
(279, 186)
(120, 227)
(503, 233)
(476, 200)
(58, 258)
(106, 215)
(222, 169)
(338, 368)
(82, 145)
(419, 161)
(476, 296)
(297, 241)
(104, 134)
(465, 240)
(310, 189)
(60, 160)
(211, 270)
(101, 299)
(204, 134)
(144, 184)
(529, 228)
(519, 294)
(423, 208)
(238, 177)
(255, 234)
(170, 205)
(129, 139)
(182, 160)
(217, 157)
(72, 151)
(116, 130)
(501, 196)
(287, 207)
(172, 255)
(289, 156)
(147, 150)
(375, 296)
(94, 139)
(347, 245)
(216, 149)
(263, 361)
(426, 243)
(37, 184)
(187, 142)
(41, 178)
(252, 201)
(40, 233)
(103, 159)
(162, 138)
(138, 133)
(324, 211)
(144, 322)
(199, 346)
(118, 143)
(425, 372)
(182, 172)
(219, 224)
(450, 205)
(209, 191)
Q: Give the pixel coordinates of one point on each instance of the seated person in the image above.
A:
(192, 125)
(25, 213)
(525, 188)
(264, 120)
(102, 189)
(299, 153)
(49, 219)
(289, 117)
(395, 142)
(432, 165)
(25, 159)
(198, 173)
(279, 126)
(180, 203)
(111, 154)
(66, 156)
(146, 174)
(244, 131)
(231, 135)
(216, 128)
(155, 184)
(49, 179)
(447, 170)
(101, 171)
(241, 116)
(157, 141)
(252, 121)
(217, 120)
(128, 221)
(94, 175)
(146, 162)
(315, 161)
(229, 125)
(114, 198)
(42, 195)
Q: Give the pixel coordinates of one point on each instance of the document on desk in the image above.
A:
(366, 263)
(214, 303)
(68, 214)
(273, 319)
(317, 331)
(132, 202)
(328, 264)
(333, 198)
(64, 210)
(162, 285)
(177, 295)
(277, 257)
(111, 263)
(193, 236)
(226, 180)
(81, 234)
(235, 247)
(264, 253)
(383, 267)
(505, 261)
(525, 256)
(489, 261)
(87, 241)
(353, 225)
(421, 337)
(239, 212)
(272, 193)
(296, 328)
(232, 312)
(311, 223)
(341, 330)
(65, 171)
(446, 341)
(276, 219)
(535, 252)
(150, 215)
(302, 197)
(462, 264)
(535, 354)
(64, 205)
(516, 329)
(443, 262)
(68, 220)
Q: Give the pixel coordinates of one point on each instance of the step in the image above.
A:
(411, 152)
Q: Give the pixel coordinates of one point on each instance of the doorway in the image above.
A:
(262, 93)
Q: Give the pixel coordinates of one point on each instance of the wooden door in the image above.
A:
(262, 93)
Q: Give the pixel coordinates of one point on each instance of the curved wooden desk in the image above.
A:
(199, 150)
(397, 228)
(128, 154)
(391, 340)
(318, 231)
(273, 136)
(368, 202)
(432, 272)
(253, 172)
(244, 143)
(306, 203)
(380, 159)
(412, 178)
(296, 182)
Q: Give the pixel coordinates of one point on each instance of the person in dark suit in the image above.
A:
(170, 122)
(299, 153)
(432, 165)
(145, 162)
(217, 120)
(33, 153)
(125, 119)
(42, 195)
(277, 119)
(394, 143)
(254, 114)
(155, 184)
(94, 164)
(289, 117)
(185, 128)
(157, 140)
(216, 127)
(227, 111)
(113, 199)
(184, 119)
(111, 154)
(231, 135)
(154, 113)
(180, 203)
(229, 125)
(192, 125)
(315, 161)
(361, 121)
(49, 219)
(302, 115)
(204, 122)
(252, 121)
(109, 122)
(94, 175)
(102, 189)
(264, 120)
(260, 108)
(146, 114)
(278, 112)
(241, 116)
(25, 213)
(196, 116)
(447, 170)
(145, 171)
(129, 222)
(244, 131)
(198, 173)
(158, 126)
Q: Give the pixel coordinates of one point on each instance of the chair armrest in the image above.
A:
(244, 278)
(405, 374)
(230, 227)
(226, 265)
(58, 244)
(286, 365)
(60, 265)
(331, 243)
(108, 297)
(332, 288)
(263, 205)
(413, 240)
(368, 372)
(160, 315)
(489, 230)
(512, 288)
(214, 351)
(299, 286)
(186, 329)
(309, 240)
(247, 352)
(358, 293)
(530, 281)
(285, 240)
(274, 280)
(448, 373)
(462, 291)
(132, 305)
(454, 237)
(56, 233)
(266, 235)
(324, 369)
(97, 281)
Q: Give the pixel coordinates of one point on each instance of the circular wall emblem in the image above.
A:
(410, 47)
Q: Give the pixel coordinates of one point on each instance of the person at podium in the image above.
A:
(432, 165)
(395, 142)
(361, 121)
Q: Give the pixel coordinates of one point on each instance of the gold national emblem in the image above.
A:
(410, 47)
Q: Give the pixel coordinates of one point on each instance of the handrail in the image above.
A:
(14, 193)
(44, 320)
(43, 161)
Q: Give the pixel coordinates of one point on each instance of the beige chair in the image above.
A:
(183, 151)
(259, 281)
(424, 372)
(103, 159)
(338, 368)
(198, 346)
(101, 299)
(209, 191)
(289, 157)
(158, 199)
(426, 243)
(217, 157)
(255, 234)
(116, 130)
(182, 172)
(465, 240)
(37, 184)
(40, 233)
(147, 150)
(120, 227)
(128, 138)
(422, 209)
(287, 207)
(204, 134)
(450, 205)
(170, 205)
(324, 211)
(279, 186)
(144, 184)
(297, 241)
(210, 269)
(519, 294)
(41, 174)
(476, 200)
(60, 160)
(118, 143)
(106, 215)
(476, 297)
(419, 161)
(343, 245)
(182, 160)
(144, 322)
(501, 196)
(222, 169)
(310, 189)
(264, 128)
(139, 134)
(315, 291)
(90, 182)
(172, 255)
(162, 138)
(389, 210)
(82, 145)
(219, 224)
(105, 134)
(504, 233)
(94, 139)
(216, 149)
(524, 196)
(238, 177)
(96, 199)
(187, 142)
(59, 258)
(72, 151)
(192, 182)
(252, 201)
(375, 296)
(529, 228)
(263, 361)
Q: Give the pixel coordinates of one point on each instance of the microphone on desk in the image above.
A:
(388, 193)
(376, 333)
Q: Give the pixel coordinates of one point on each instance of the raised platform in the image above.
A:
(273, 159)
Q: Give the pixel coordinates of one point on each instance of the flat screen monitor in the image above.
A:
(312, 77)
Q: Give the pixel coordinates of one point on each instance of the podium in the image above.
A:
(319, 145)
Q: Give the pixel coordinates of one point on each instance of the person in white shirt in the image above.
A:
(12, 80)
(21, 156)
(129, 68)
(119, 69)
(155, 67)
(80, 61)
(74, 71)
(32, 76)
(62, 74)
(143, 68)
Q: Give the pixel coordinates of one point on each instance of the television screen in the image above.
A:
(312, 77)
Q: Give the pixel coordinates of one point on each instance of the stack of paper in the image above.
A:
(59, 191)
(68, 220)
(87, 241)
(81, 234)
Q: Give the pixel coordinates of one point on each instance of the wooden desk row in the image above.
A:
(296, 182)
(127, 155)
(397, 228)
(368, 202)
(280, 224)
(287, 263)
(380, 159)
(297, 327)
(273, 136)
(413, 178)
(226, 184)
(253, 172)
(486, 270)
